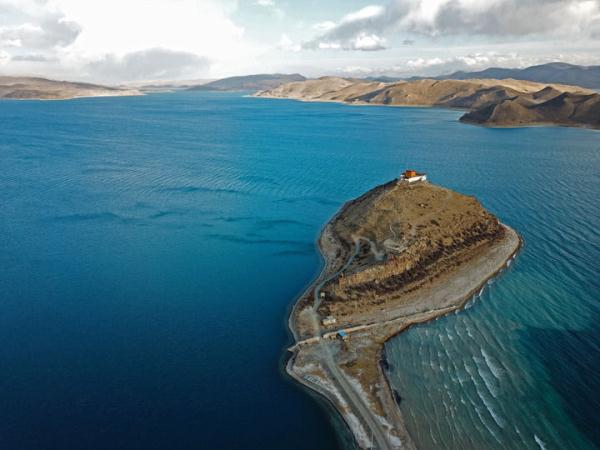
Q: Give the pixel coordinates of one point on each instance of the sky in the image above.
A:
(120, 41)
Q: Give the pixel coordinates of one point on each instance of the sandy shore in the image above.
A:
(351, 374)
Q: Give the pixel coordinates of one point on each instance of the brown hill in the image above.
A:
(412, 232)
(566, 108)
(44, 89)
(491, 102)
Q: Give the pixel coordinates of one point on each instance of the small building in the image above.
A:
(329, 320)
(342, 335)
(412, 176)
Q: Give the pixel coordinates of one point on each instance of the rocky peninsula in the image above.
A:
(490, 102)
(30, 88)
(405, 252)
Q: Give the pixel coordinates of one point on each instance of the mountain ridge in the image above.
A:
(490, 102)
(555, 72)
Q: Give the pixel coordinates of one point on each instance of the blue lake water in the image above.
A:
(151, 246)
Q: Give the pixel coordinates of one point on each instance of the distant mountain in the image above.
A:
(249, 82)
(584, 76)
(44, 89)
(490, 102)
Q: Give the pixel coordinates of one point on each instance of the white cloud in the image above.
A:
(493, 18)
(149, 64)
(349, 34)
(354, 70)
(329, 45)
(444, 65)
(323, 27)
(501, 17)
(287, 45)
(24, 26)
(34, 57)
(421, 63)
(366, 13)
(50, 33)
(367, 42)
(183, 25)
(81, 33)
(359, 30)
(470, 62)
(96, 41)
(4, 57)
(272, 6)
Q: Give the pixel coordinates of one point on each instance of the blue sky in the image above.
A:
(116, 41)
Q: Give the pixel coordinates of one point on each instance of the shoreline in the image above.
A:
(384, 331)
(74, 97)
(534, 124)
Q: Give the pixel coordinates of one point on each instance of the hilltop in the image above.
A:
(45, 89)
(491, 102)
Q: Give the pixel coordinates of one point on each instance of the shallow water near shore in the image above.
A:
(151, 247)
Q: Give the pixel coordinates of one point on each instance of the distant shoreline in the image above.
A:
(32, 88)
(505, 103)
(63, 99)
(483, 125)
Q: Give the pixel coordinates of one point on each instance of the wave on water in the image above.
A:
(492, 365)
(100, 217)
(235, 219)
(268, 224)
(313, 199)
(106, 170)
(539, 442)
(162, 214)
(257, 179)
(298, 245)
(203, 189)
(263, 224)
(490, 383)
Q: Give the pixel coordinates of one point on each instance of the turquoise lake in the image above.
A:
(151, 247)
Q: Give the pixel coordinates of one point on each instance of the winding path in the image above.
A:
(354, 399)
